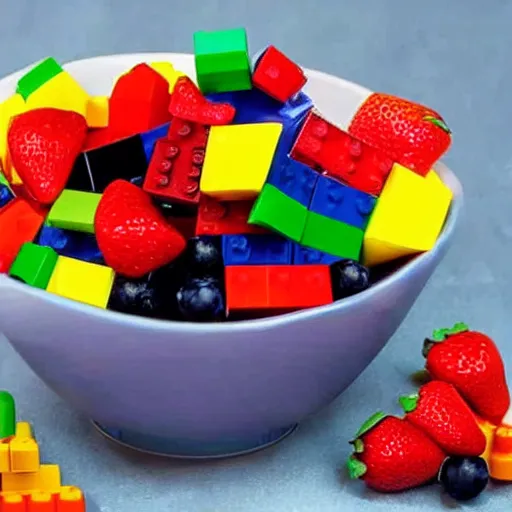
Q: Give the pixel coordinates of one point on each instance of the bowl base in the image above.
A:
(187, 449)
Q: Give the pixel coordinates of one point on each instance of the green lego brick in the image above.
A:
(34, 265)
(222, 61)
(333, 237)
(7, 415)
(74, 210)
(37, 76)
(278, 212)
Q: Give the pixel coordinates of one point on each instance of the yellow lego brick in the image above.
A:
(46, 479)
(166, 69)
(5, 457)
(408, 216)
(237, 160)
(11, 107)
(24, 450)
(97, 112)
(81, 281)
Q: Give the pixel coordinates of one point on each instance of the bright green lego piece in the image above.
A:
(74, 210)
(34, 265)
(222, 61)
(7, 415)
(37, 76)
(278, 212)
(332, 236)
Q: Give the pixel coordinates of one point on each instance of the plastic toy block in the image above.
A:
(408, 216)
(7, 415)
(222, 60)
(150, 137)
(97, 111)
(82, 281)
(12, 502)
(293, 178)
(46, 479)
(307, 256)
(24, 450)
(341, 202)
(225, 218)
(256, 250)
(139, 101)
(74, 210)
(237, 160)
(19, 223)
(6, 195)
(340, 155)
(37, 76)
(12, 106)
(489, 430)
(175, 168)
(332, 236)
(74, 244)
(276, 211)
(277, 75)
(167, 70)
(500, 463)
(67, 499)
(34, 265)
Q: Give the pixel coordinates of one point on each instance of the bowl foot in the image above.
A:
(186, 449)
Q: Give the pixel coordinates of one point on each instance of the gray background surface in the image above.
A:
(452, 55)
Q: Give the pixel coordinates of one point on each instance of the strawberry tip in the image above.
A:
(356, 468)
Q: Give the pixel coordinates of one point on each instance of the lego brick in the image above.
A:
(74, 210)
(224, 218)
(246, 288)
(37, 76)
(340, 155)
(175, 168)
(277, 75)
(67, 499)
(150, 137)
(222, 60)
(12, 106)
(97, 111)
(307, 256)
(12, 502)
(332, 236)
(343, 203)
(167, 70)
(23, 450)
(7, 415)
(256, 250)
(237, 160)
(46, 479)
(82, 281)
(408, 216)
(276, 211)
(293, 178)
(19, 223)
(34, 265)
(6, 195)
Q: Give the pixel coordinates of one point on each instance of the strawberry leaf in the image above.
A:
(370, 423)
(356, 468)
(438, 122)
(408, 402)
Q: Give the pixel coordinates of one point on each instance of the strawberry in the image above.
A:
(43, 145)
(410, 134)
(442, 414)
(471, 362)
(391, 454)
(132, 234)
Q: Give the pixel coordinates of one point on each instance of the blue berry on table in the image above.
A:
(348, 278)
(464, 478)
(201, 300)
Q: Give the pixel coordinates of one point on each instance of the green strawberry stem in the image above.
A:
(408, 402)
(356, 468)
(439, 335)
(438, 122)
(420, 377)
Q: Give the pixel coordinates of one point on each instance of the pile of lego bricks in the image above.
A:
(228, 199)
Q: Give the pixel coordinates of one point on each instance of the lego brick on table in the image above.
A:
(47, 478)
(34, 265)
(222, 60)
(167, 70)
(41, 73)
(324, 145)
(74, 210)
(97, 111)
(23, 450)
(500, 460)
(237, 160)
(67, 499)
(408, 216)
(256, 250)
(303, 255)
(82, 281)
(175, 168)
(150, 137)
(7, 415)
(277, 212)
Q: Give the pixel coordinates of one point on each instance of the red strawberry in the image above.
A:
(471, 362)
(391, 454)
(132, 234)
(441, 413)
(410, 134)
(43, 145)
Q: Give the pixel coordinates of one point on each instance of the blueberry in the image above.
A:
(464, 478)
(136, 297)
(348, 278)
(204, 256)
(201, 300)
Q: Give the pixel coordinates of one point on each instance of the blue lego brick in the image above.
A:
(6, 195)
(256, 250)
(340, 202)
(150, 137)
(293, 178)
(307, 256)
(81, 246)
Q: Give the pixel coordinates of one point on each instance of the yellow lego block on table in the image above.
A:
(408, 216)
(81, 281)
(11, 107)
(237, 160)
(167, 70)
(97, 112)
(24, 450)
(46, 479)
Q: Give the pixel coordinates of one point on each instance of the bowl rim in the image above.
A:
(259, 324)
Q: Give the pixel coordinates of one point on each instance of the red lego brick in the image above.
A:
(139, 101)
(100, 137)
(246, 287)
(277, 75)
(326, 147)
(175, 168)
(225, 218)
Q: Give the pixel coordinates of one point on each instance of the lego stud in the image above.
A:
(214, 210)
(165, 167)
(198, 157)
(355, 149)
(163, 181)
(194, 173)
(191, 189)
(172, 152)
(184, 130)
(319, 128)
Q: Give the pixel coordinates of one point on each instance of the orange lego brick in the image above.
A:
(489, 430)
(46, 479)
(500, 463)
(41, 501)
(12, 502)
(70, 499)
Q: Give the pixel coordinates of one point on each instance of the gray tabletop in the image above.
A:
(452, 55)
